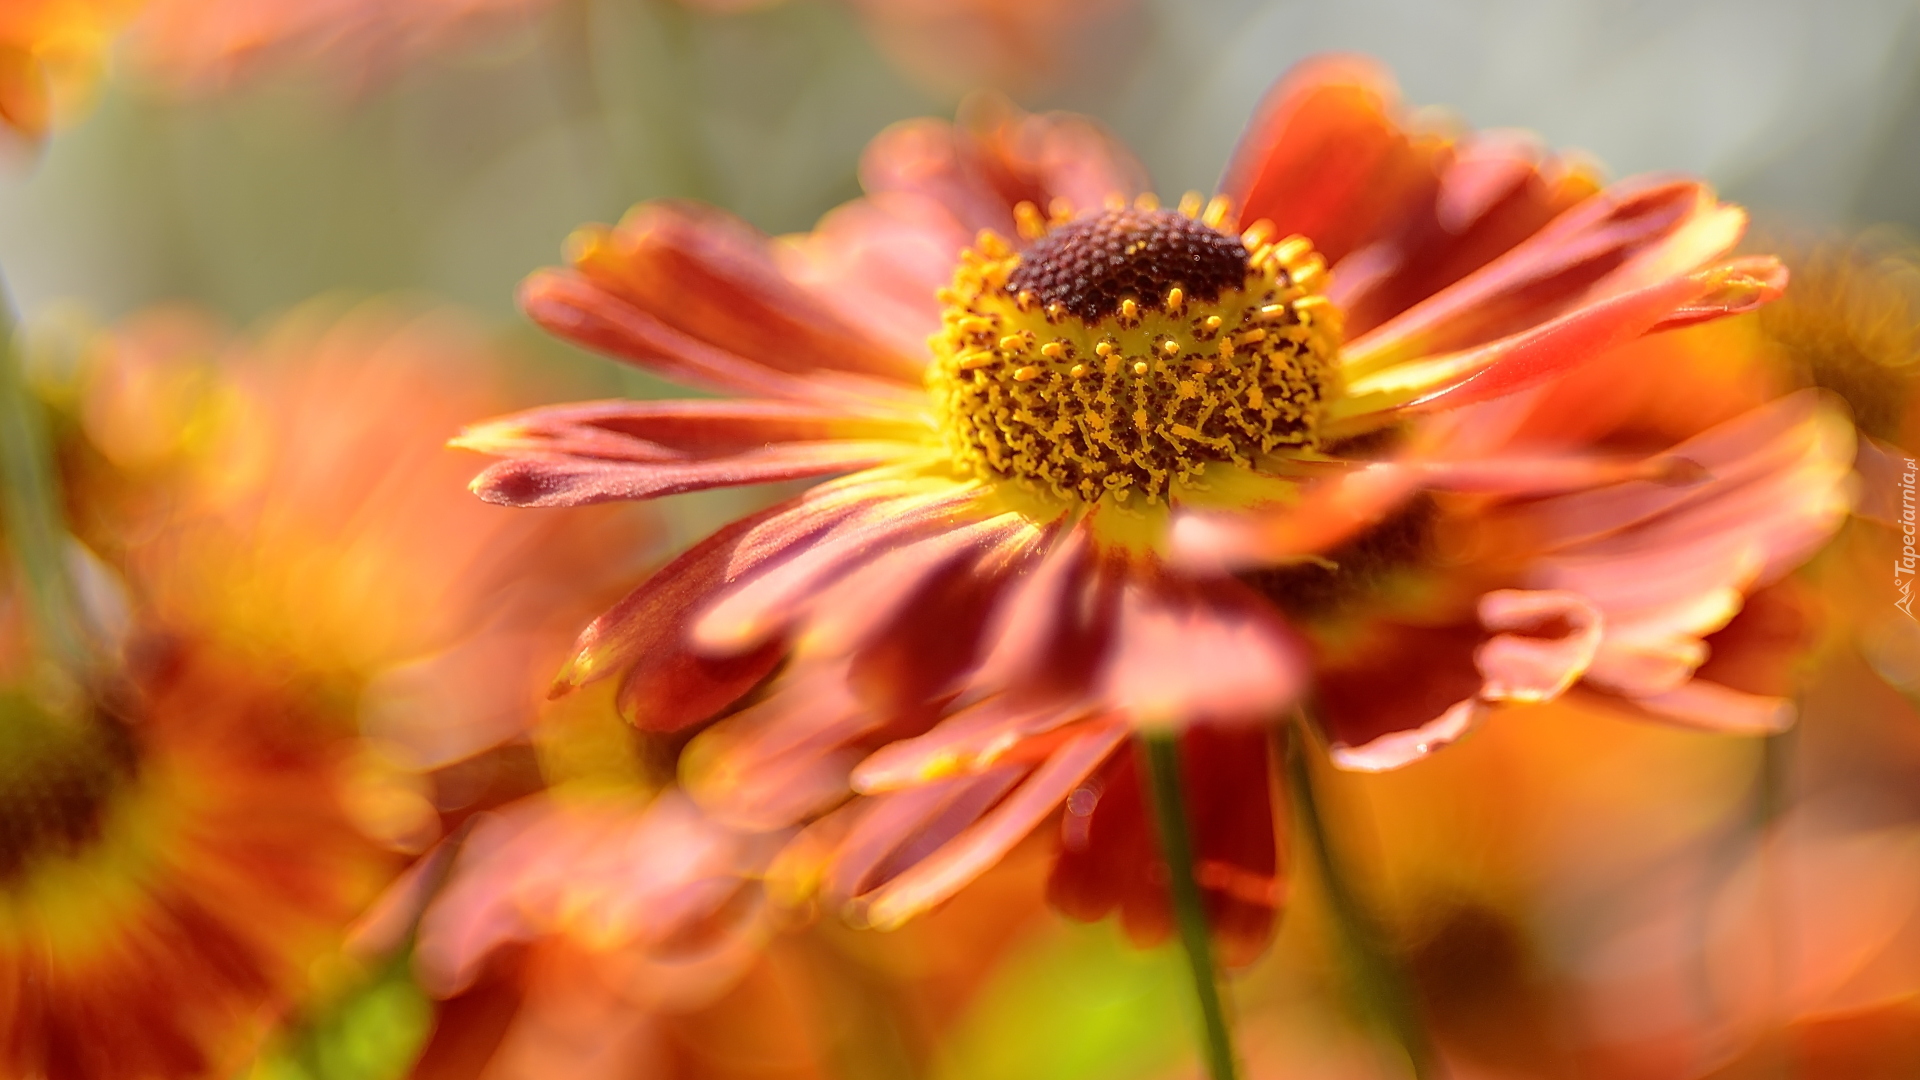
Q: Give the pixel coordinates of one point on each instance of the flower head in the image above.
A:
(175, 859)
(1065, 411)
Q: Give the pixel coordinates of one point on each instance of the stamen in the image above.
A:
(1027, 219)
(1131, 348)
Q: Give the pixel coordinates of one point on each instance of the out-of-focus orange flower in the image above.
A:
(669, 900)
(1014, 45)
(319, 638)
(313, 521)
(949, 44)
(1026, 564)
(168, 874)
(210, 43)
(174, 860)
(51, 53)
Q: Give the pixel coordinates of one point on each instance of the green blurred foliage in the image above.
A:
(1079, 1003)
(372, 1031)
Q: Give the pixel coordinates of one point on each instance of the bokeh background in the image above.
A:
(1560, 883)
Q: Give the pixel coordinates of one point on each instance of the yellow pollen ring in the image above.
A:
(1142, 398)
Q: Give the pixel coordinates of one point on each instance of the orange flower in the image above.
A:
(209, 43)
(309, 519)
(51, 52)
(949, 43)
(1015, 45)
(279, 539)
(171, 868)
(1024, 566)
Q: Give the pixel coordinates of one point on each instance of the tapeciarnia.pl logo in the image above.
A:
(1905, 565)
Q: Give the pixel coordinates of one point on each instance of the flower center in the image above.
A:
(56, 775)
(1126, 350)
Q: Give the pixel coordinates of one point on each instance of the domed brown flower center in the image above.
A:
(1092, 265)
(56, 775)
(1125, 351)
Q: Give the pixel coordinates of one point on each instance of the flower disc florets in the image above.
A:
(1126, 350)
(56, 775)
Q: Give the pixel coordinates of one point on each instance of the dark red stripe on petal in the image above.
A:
(1537, 355)
(667, 685)
(567, 481)
(933, 868)
(1629, 236)
(573, 307)
(1325, 157)
(712, 277)
(766, 603)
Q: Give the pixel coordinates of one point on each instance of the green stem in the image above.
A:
(33, 517)
(1161, 753)
(1382, 986)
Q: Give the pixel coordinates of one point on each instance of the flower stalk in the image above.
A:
(1160, 750)
(1378, 980)
(30, 510)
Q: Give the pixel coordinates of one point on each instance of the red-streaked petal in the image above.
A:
(1491, 192)
(1188, 650)
(1542, 643)
(1325, 157)
(893, 831)
(573, 307)
(673, 431)
(1051, 628)
(784, 759)
(668, 686)
(1399, 214)
(967, 741)
(712, 277)
(765, 604)
(1332, 510)
(996, 155)
(1747, 682)
(942, 872)
(1763, 445)
(623, 874)
(569, 481)
(1119, 630)
(1550, 348)
(911, 657)
(854, 614)
(879, 262)
(1632, 235)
